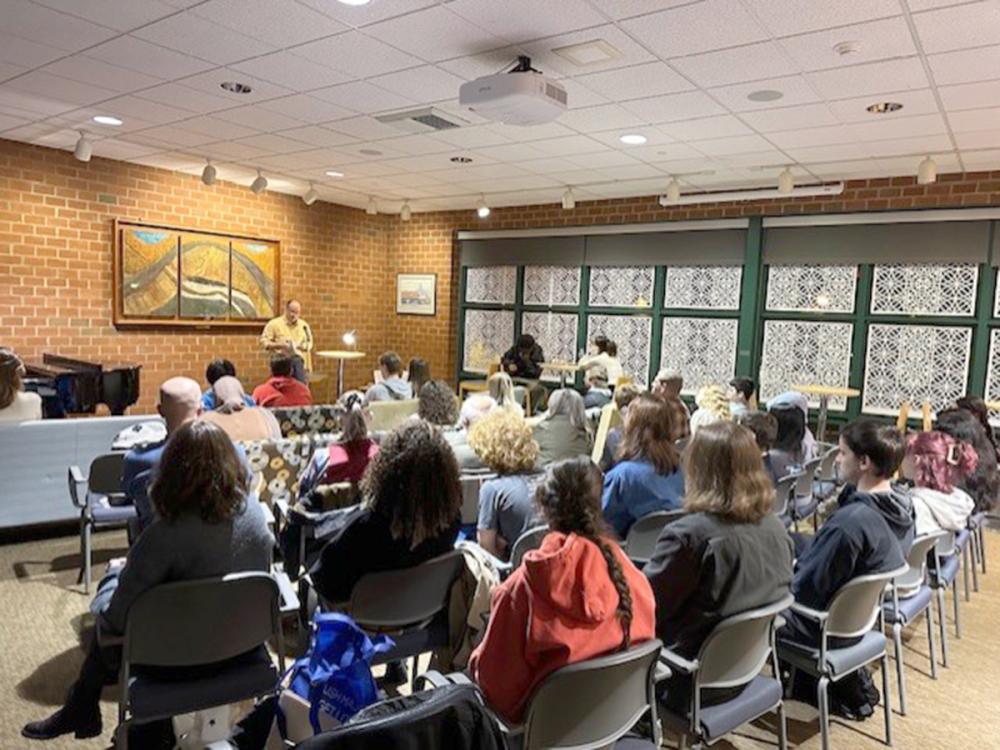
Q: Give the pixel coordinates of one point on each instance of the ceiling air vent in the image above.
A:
(424, 120)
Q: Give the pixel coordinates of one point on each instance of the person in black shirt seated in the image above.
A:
(410, 513)
(524, 359)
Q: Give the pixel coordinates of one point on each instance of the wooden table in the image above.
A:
(472, 386)
(563, 368)
(341, 356)
(825, 392)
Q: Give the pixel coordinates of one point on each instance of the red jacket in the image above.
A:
(558, 608)
(282, 391)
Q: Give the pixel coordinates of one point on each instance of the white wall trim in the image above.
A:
(887, 217)
(663, 226)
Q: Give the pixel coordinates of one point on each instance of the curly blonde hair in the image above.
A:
(504, 442)
(713, 398)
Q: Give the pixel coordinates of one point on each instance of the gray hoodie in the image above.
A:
(390, 389)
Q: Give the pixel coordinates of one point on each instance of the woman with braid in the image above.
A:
(575, 598)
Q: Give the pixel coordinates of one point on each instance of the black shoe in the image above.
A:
(396, 673)
(62, 722)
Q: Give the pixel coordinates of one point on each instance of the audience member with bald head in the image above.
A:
(241, 422)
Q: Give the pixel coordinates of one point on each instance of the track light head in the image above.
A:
(927, 171)
(259, 185)
(568, 200)
(84, 148)
(311, 196)
(482, 209)
(209, 173)
(786, 181)
(372, 208)
(405, 212)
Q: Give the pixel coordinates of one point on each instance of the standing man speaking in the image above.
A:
(290, 334)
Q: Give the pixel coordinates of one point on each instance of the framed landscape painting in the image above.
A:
(416, 293)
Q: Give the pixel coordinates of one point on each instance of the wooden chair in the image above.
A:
(904, 415)
(610, 418)
(927, 416)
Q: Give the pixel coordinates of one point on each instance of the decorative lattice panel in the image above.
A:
(798, 352)
(621, 286)
(915, 364)
(703, 349)
(488, 334)
(496, 284)
(704, 287)
(555, 333)
(925, 289)
(996, 298)
(551, 285)
(632, 334)
(811, 288)
(993, 374)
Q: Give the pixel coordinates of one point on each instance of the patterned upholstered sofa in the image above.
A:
(307, 420)
(280, 463)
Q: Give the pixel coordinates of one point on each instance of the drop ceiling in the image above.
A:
(681, 74)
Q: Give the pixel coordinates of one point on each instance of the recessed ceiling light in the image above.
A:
(354, 2)
(884, 108)
(764, 95)
(334, 173)
(107, 120)
(633, 139)
(235, 87)
(370, 152)
(461, 159)
(594, 52)
(848, 47)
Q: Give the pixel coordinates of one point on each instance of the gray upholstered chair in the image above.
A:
(782, 497)
(529, 540)
(643, 534)
(100, 498)
(804, 501)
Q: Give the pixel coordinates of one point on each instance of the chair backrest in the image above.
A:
(202, 621)
(388, 415)
(592, 703)
(529, 540)
(337, 495)
(105, 476)
(857, 603)
(945, 546)
(610, 418)
(904, 416)
(804, 481)
(471, 484)
(399, 598)
(646, 531)
(737, 648)
(782, 492)
(828, 465)
(913, 578)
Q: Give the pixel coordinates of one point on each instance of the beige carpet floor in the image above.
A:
(45, 618)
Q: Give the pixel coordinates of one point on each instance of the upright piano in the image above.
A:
(74, 386)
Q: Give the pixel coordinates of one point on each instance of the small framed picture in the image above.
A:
(416, 293)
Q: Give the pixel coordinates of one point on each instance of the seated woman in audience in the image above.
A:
(501, 390)
(596, 391)
(983, 484)
(870, 532)
(563, 432)
(241, 422)
(410, 512)
(418, 373)
(603, 353)
(216, 369)
(437, 404)
(668, 384)
(281, 389)
(348, 458)
(205, 526)
(935, 462)
(16, 405)
(392, 387)
(575, 598)
(647, 477)
(728, 554)
(802, 446)
(624, 395)
(976, 406)
(713, 406)
(764, 427)
(505, 444)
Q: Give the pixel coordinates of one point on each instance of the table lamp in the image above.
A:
(350, 339)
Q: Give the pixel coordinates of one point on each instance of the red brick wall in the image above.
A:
(426, 244)
(56, 263)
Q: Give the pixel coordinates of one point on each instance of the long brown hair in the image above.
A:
(570, 498)
(10, 376)
(200, 472)
(724, 474)
(413, 482)
(648, 434)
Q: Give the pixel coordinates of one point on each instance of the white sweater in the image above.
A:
(24, 407)
(605, 360)
(937, 510)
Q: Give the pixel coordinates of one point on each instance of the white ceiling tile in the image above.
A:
(919, 5)
(902, 127)
(469, 67)
(750, 63)
(259, 118)
(914, 103)
(203, 39)
(958, 27)
(291, 71)
(9, 70)
(365, 128)
(518, 20)
(543, 58)
(476, 136)
(274, 143)
(279, 22)
(426, 84)
(969, 95)
(500, 184)
(790, 118)
(795, 90)
(372, 169)
(772, 158)
(600, 160)
(435, 34)
(361, 96)
(172, 134)
(785, 17)
(891, 166)
(569, 145)
(698, 27)
(630, 8)
(113, 13)
(425, 179)
(870, 78)
(579, 96)
(306, 108)
(218, 128)
(825, 136)
(875, 40)
(833, 170)
(145, 57)
(40, 24)
(916, 146)
(838, 152)
(631, 172)
(469, 172)
(510, 152)
(702, 128)
(552, 166)
(24, 52)
(414, 145)
(144, 109)
(989, 159)
(185, 98)
(357, 16)
(356, 54)
(58, 139)
(315, 135)
(979, 139)
(13, 101)
(638, 82)
(974, 119)
(211, 82)
(175, 160)
(601, 117)
(966, 66)
(664, 152)
(739, 144)
(90, 70)
(324, 158)
(674, 107)
(113, 148)
(7, 122)
(58, 90)
(531, 132)
(612, 138)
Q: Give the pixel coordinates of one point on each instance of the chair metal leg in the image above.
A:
(87, 530)
(782, 728)
(824, 713)
(965, 571)
(886, 698)
(954, 601)
(897, 640)
(982, 544)
(930, 639)
(942, 626)
(976, 554)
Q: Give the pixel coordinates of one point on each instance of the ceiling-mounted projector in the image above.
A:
(522, 96)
